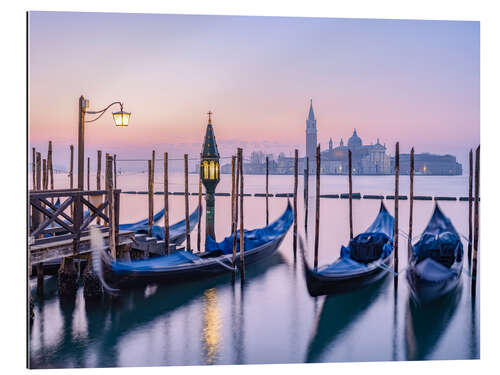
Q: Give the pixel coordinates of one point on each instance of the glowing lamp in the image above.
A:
(121, 118)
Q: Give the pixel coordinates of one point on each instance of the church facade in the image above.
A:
(366, 159)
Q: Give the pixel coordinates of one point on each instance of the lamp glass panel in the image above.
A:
(212, 170)
(217, 170)
(205, 170)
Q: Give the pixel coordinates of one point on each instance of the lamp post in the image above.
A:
(121, 118)
(210, 175)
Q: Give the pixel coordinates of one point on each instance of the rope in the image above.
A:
(176, 159)
(225, 265)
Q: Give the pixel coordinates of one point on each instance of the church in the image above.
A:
(366, 159)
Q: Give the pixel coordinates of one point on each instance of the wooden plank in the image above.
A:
(60, 249)
(97, 210)
(54, 208)
(51, 216)
(37, 205)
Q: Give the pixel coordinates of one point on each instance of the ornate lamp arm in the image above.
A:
(101, 112)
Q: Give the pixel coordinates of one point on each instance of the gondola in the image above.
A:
(436, 260)
(365, 260)
(177, 232)
(185, 265)
(177, 236)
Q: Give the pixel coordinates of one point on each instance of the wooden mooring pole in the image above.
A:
(186, 202)
(233, 162)
(106, 180)
(476, 223)
(33, 167)
(295, 187)
(306, 193)
(396, 216)
(98, 177)
(50, 168)
(236, 164)
(111, 200)
(410, 224)
(349, 155)
(150, 199)
(316, 229)
(37, 218)
(114, 170)
(71, 149)
(267, 190)
(45, 179)
(471, 178)
(38, 172)
(88, 173)
(200, 192)
(242, 234)
(165, 201)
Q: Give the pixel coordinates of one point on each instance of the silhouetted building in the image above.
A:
(429, 164)
(366, 159)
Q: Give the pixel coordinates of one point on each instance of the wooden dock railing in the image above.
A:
(57, 221)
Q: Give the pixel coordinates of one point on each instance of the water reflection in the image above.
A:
(426, 324)
(337, 314)
(211, 325)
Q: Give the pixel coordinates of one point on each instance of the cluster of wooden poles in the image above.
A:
(42, 175)
(473, 218)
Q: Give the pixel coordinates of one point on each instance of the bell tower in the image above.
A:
(311, 138)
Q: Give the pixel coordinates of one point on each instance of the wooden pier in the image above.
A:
(70, 237)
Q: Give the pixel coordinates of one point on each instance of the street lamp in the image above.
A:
(210, 174)
(121, 118)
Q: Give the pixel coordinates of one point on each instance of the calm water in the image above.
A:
(272, 319)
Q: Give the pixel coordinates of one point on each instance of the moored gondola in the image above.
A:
(365, 260)
(177, 236)
(436, 260)
(185, 265)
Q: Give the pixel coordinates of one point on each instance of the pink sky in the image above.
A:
(416, 82)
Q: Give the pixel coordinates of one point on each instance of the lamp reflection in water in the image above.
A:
(211, 326)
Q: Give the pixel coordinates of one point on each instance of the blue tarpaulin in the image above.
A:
(253, 238)
(373, 244)
(440, 241)
(159, 231)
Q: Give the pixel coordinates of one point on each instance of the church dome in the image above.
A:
(354, 141)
